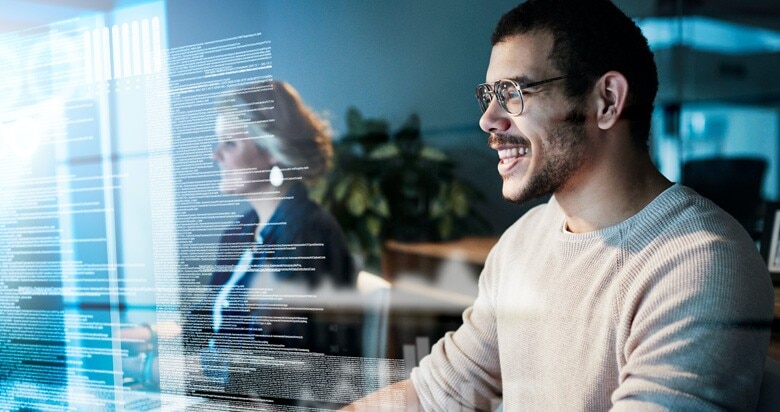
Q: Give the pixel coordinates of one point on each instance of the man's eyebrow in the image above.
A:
(522, 80)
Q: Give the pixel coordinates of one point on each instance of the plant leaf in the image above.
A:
(373, 225)
(384, 151)
(434, 154)
(358, 197)
(459, 200)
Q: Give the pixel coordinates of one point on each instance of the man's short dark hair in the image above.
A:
(592, 37)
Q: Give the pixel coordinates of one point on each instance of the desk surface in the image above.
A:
(469, 249)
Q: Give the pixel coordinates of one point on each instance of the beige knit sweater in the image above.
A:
(668, 310)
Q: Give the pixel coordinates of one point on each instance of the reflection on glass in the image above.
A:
(158, 246)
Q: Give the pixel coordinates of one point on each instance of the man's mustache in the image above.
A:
(497, 139)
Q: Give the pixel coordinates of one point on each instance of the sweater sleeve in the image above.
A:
(462, 370)
(696, 330)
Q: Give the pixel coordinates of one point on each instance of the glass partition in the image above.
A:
(256, 203)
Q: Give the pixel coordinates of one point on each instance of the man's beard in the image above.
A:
(564, 152)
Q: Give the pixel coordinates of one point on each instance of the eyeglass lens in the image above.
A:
(509, 96)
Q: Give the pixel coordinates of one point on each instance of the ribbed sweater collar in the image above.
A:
(655, 209)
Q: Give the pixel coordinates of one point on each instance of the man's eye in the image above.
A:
(534, 88)
(530, 92)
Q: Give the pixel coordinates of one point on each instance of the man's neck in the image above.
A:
(610, 193)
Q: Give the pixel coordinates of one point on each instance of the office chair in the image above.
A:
(733, 183)
(769, 398)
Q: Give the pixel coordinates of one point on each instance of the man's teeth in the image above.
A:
(513, 152)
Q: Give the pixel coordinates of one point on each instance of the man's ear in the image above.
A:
(612, 93)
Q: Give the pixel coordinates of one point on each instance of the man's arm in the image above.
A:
(698, 334)
(461, 372)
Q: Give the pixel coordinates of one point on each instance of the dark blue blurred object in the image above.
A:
(733, 183)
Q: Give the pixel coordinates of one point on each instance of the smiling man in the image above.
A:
(625, 291)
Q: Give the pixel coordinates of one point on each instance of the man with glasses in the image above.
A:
(624, 291)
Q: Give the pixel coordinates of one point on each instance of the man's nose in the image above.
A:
(495, 118)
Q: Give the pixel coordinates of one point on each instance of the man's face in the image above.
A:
(541, 150)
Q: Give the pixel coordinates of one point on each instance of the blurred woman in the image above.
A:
(259, 308)
(269, 145)
(285, 247)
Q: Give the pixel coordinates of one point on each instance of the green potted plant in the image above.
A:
(385, 186)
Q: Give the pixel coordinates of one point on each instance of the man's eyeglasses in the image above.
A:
(509, 94)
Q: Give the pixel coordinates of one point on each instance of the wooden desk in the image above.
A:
(470, 249)
(424, 257)
(424, 309)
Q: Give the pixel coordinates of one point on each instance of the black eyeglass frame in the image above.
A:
(491, 91)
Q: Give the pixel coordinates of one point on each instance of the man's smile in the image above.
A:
(510, 154)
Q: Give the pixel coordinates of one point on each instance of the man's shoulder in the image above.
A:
(682, 212)
(685, 248)
(686, 230)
